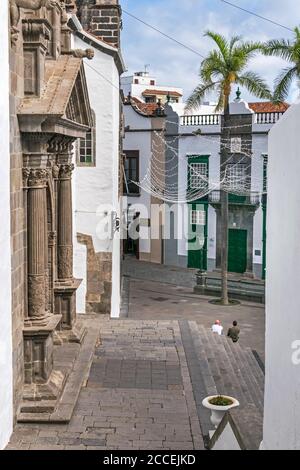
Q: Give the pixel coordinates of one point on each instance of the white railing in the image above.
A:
(267, 118)
(200, 120)
(215, 119)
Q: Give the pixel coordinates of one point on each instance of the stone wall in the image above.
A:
(98, 276)
(102, 18)
(18, 221)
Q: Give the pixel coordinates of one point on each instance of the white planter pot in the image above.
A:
(217, 412)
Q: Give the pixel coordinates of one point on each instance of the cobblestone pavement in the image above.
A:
(159, 301)
(138, 395)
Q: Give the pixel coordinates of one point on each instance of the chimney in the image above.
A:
(106, 22)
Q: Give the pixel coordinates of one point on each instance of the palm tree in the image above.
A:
(224, 67)
(289, 51)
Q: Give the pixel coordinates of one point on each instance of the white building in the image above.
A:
(144, 87)
(98, 199)
(6, 389)
(282, 388)
(191, 143)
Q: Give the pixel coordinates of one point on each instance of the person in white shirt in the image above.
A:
(217, 327)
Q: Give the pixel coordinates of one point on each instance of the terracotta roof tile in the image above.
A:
(161, 92)
(268, 107)
(146, 108)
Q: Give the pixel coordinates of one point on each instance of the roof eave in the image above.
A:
(102, 46)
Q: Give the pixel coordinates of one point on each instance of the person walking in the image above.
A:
(234, 332)
(217, 327)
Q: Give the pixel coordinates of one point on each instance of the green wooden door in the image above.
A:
(198, 172)
(197, 246)
(237, 251)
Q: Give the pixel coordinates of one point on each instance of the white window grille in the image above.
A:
(198, 175)
(197, 217)
(236, 144)
(236, 176)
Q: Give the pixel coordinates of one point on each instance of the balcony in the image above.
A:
(215, 119)
(267, 118)
(251, 199)
(201, 120)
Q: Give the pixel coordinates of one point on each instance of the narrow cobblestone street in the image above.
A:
(144, 389)
(138, 395)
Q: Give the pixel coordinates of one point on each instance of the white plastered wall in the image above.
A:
(6, 391)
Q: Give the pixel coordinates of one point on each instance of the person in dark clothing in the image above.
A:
(234, 332)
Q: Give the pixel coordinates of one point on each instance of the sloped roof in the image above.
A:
(148, 109)
(60, 76)
(161, 92)
(268, 107)
(92, 40)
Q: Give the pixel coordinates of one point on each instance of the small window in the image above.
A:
(136, 81)
(150, 99)
(197, 217)
(131, 173)
(236, 176)
(87, 146)
(152, 82)
(236, 144)
(198, 176)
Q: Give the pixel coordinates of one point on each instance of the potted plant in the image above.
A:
(218, 405)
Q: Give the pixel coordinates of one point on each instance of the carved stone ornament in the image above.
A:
(66, 171)
(37, 177)
(15, 6)
(55, 171)
(82, 54)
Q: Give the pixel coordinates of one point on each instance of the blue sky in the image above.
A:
(186, 20)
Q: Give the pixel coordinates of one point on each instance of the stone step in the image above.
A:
(245, 394)
(233, 369)
(246, 368)
(235, 383)
(214, 365)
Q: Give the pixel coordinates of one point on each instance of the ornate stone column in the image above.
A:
(66, 285)
(65, 231)
(37, 249)
(41, 381)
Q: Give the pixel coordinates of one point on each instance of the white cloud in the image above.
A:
(186, 21)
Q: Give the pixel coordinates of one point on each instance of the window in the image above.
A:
(197, 217)
(136, 81)
(150, 99)
(87, 146)
(236, 176)
(152, 82)
(131, 172)
(198, 176)
(236, 144)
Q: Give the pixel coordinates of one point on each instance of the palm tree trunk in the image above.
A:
(224, 205)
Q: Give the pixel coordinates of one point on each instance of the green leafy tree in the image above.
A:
(288, 50)
(225, 66)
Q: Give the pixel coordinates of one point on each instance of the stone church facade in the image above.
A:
(49, 110)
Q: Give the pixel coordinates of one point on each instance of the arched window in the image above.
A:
(87, 146)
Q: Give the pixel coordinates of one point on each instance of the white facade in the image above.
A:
(141, 81)
(282, 389)
(97, 187)
(208, 144)
(141, 140)
(6, 391)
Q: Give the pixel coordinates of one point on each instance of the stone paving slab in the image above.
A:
(159, 412)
